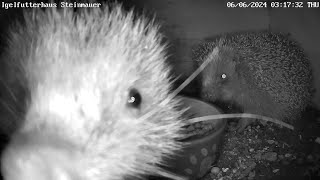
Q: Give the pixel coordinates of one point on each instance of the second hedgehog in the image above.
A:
(262, 72)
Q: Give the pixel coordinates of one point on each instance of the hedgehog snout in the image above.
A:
(30, 156)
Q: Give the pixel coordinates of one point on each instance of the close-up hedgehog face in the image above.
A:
(92, 77)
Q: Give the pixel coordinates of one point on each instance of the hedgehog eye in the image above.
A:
(223, 76)
(134, 99)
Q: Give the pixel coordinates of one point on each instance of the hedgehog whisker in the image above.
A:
(9, 90)
(170, 175)
(240, 115)
(167, 100)
(183, 85)
(194, 74)
(7, 106)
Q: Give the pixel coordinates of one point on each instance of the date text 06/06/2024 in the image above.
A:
(273, 4)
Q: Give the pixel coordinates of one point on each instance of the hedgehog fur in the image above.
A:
(265, 73)
(80, 69)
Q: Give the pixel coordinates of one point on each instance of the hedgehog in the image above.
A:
(99, 103)
(262, 72)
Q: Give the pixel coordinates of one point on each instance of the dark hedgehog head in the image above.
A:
(221, 79)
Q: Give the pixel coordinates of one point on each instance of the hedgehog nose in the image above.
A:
(28, 158)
